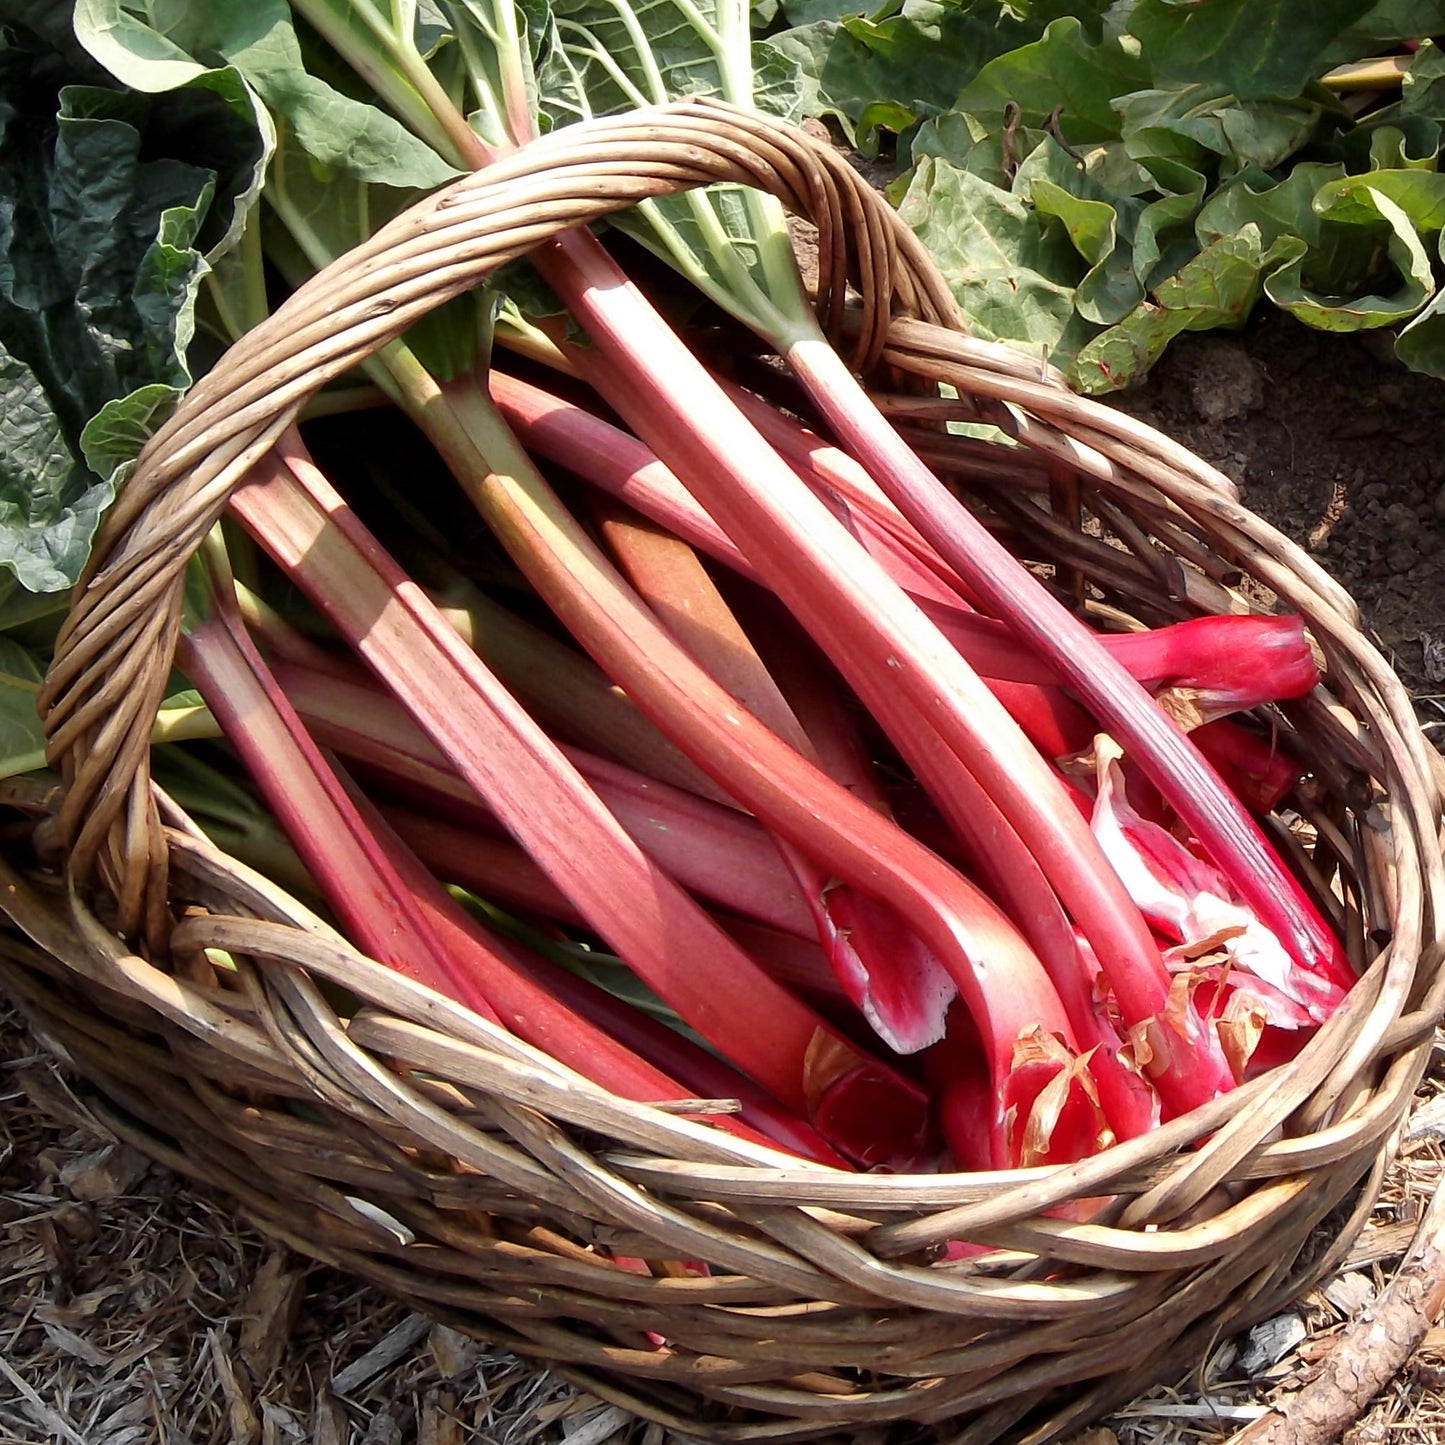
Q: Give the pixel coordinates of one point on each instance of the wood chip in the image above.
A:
(597, 1428)
(105, 1173)
(38, 1411)
(551, 1411)
(78, 1310)
(268, 1313)
(1349, 1293)
(241, 1415)
(1381, 1242)
(1428, 1121)
(1268, 1343)
(74, 1345)
(454, 1353)
(439, 1424)
(385, 1352)
(385, 1427)
(1196, 1410)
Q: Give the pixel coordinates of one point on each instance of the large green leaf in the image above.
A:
(1065, 70)
(1250, 48)
(1203, 127)
(884, 74)
(1013, 275)
(1218, 287)
(1342, 254)
(108, 203)
(158, 47)
(1337, 283)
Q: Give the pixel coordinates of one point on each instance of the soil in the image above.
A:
(1336, 443)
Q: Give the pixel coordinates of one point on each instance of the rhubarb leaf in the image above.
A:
(1165, 108)
(1252, 48)
(258, 40)
(22, 739)
(1390, 276)
(108, 203)
(1066, 69)
(1014, 276)
(1217, 288)
(884, 74)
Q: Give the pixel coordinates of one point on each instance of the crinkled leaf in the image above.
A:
(107, 201)
(1422, 92)
(180, 43)
(113, 437)
(782, 86)
(1013, 275)
(1111, 286)
(1321, 267)
(1251, 48)
(1205, 128)
(1330, 284)
(1128, 242)
(1064, 69)
(1420, 195)
(49, 502)
(886, 73)
(1217, 288)
(1277, 208)
(1396, 143)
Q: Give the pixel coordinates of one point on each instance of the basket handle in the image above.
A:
(114, 652)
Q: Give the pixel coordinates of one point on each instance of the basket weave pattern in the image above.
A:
(417, 1146)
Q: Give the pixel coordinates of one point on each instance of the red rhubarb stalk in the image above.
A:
(302, 791)
(884, 967)
(545, 804)
(865, 624)
(1155, 743)
(588, 1029)
(715, 852)
(792, 798)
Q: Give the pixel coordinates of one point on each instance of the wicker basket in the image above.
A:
(419, 1148)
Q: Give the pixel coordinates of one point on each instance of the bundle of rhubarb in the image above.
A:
(737, 699)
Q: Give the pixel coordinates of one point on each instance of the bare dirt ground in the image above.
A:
(1339, 446)
(132, 1310)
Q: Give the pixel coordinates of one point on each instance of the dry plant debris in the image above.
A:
(134, 1311)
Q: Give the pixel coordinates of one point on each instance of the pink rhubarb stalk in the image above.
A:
(661, 932)
(865, 624)
(884, 967)
(1227, 833)
(715, 852)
